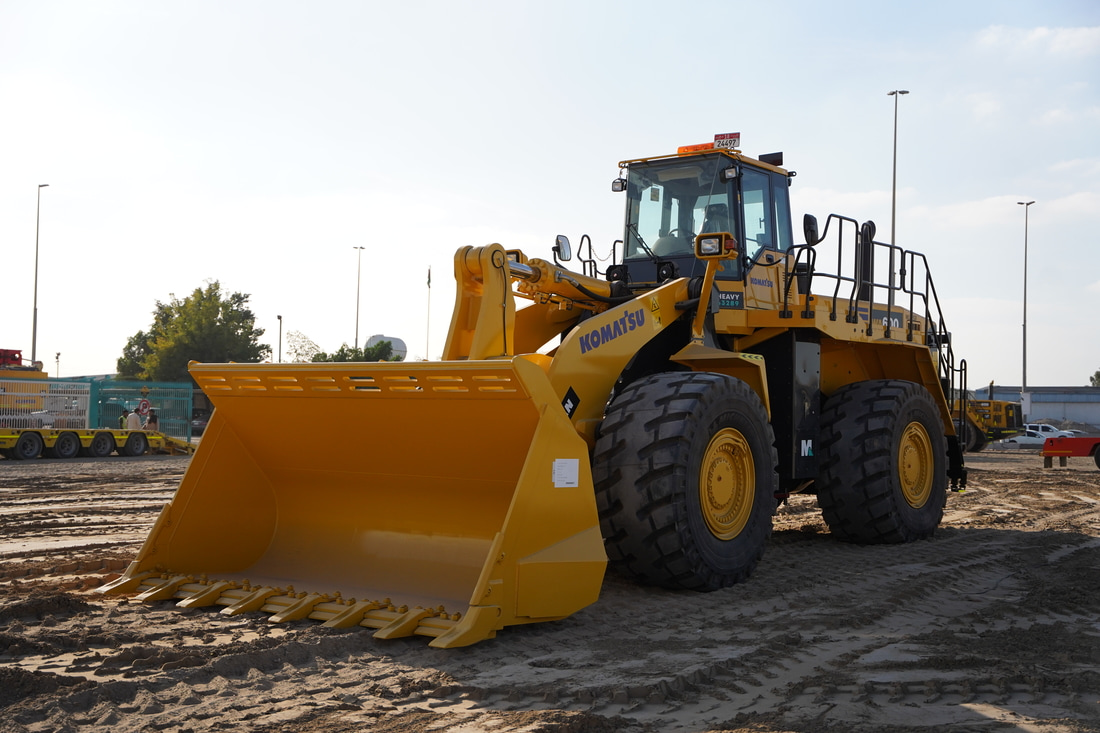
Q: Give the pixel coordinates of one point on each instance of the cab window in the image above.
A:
(766, 208)
(757, 212)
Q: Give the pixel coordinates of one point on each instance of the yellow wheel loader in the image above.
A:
(653, 413)
(985, 420)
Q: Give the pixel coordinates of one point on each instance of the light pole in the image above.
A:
(34, 323)
(57, 362)
(894, 186)
(358, 279)
(1026, 205)
(280, 338)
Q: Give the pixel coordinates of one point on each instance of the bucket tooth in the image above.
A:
(279, 602)
(163, 590)
(479, 622)
(207, 595)
(435, 625)
(253, 601)
(382, 616)
(300, 609)
(127, 583)
(347, 617)
(404, 625)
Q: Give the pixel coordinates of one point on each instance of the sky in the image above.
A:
(258, 143)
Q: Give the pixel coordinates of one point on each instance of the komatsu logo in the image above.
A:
(597, 337)
(761, 281)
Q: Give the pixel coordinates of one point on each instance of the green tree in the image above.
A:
(208, 325)
(1095, 379)
(381, 351)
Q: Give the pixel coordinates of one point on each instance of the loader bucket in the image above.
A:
(446, 499)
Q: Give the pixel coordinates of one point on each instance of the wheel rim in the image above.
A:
(727, 484)
(29, 446)
(67, 444)
(915, 465)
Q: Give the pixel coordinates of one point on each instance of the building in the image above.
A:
(1051, 404)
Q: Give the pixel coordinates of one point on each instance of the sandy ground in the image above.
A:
(992, 625)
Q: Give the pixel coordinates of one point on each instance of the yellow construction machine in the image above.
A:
(986, 420)
(654, 414)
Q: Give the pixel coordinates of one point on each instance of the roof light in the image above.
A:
(685, 149)
(723, 141)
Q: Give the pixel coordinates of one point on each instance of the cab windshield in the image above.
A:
(671, 201)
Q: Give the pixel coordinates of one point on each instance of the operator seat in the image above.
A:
(716, 219)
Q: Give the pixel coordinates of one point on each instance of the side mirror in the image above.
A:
(809, 229)
(562, 250)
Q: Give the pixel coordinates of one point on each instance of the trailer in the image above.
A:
(65, 418)
(1064, 448)
(30, 443)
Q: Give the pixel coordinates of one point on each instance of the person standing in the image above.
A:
(133, 421)
(151, 422)
(122, 419)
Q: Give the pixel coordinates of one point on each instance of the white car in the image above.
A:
(1029, 438)
(1048, 431)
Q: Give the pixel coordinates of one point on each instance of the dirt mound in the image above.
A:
(43, 604)
(18, 684)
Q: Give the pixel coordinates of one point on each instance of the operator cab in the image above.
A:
(670, 200)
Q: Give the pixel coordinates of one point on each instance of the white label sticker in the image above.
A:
(566, 472)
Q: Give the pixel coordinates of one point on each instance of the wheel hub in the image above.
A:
(727, 484)
(915, 465)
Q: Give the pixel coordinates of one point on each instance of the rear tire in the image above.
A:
(67, 445)
(28, 447)
(685, 476)
(101, 446)
(883, 457)
(136, 445)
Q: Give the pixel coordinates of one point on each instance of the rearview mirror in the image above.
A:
(562, 250)
(809, 229)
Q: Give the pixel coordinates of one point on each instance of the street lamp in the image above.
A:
(280, 338)
(57, 361)
(34, 323)
(1026, 205)
(358, 278)
(894, 186)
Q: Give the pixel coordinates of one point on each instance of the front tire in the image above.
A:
(883, 457)
(685, 475)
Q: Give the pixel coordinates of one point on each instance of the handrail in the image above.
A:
(856, 266)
